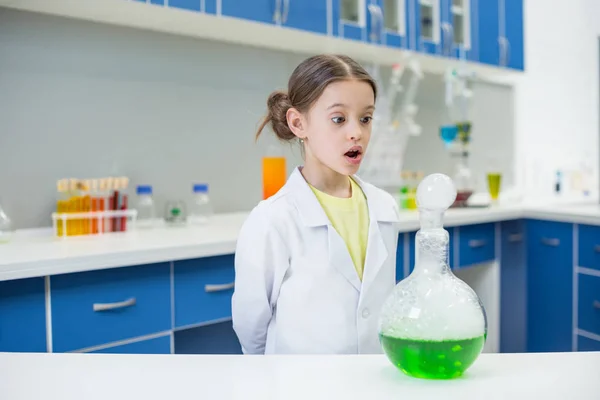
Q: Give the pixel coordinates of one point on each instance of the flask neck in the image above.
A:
(432, 250)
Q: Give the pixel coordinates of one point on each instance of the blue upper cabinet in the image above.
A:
(513, 48)
(459, 39)
(350, 19)
(266, 11)
(500, 33)
(425, 30)
(190, 5)
(393, 22)
(306, 15)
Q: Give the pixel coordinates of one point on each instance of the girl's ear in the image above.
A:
(296, 122)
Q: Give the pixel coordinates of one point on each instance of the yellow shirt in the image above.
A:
(350, 218)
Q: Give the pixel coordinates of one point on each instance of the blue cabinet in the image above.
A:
(159, 345)
(306, 15)
(458, 23)
(23, 315)
(500, 25)
(549, 286)
(350, 19)
(205, 286)
(219, 338)
(425, 29)
(476, 244)
(400, 253)
(588, 247)
(588, 303)
(394, 23)
(266, 11)
(98, 307)
(513, 288)
(191, 5)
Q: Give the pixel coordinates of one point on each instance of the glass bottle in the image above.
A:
(146, 211)
(433, 325)
(274, 173)
(201, 209)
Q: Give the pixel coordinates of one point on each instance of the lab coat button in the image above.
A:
(365, 313)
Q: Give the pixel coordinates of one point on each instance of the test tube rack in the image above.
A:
(92, 222)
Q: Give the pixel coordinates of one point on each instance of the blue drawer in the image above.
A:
(476, 244)
(99, 307)
(589, 246)
(23, 316)
(412, 237)
(203, 289)
(586, 344)
(159, 345)
(588, 304)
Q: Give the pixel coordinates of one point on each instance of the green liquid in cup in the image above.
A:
(444, 359)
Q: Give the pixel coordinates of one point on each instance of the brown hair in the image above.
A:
(306, 84)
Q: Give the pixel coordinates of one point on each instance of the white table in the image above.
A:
(145, 377)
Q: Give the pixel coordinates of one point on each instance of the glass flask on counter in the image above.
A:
(433, 324)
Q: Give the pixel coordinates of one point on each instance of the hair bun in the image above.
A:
(278, 104)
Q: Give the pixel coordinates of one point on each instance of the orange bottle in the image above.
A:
(274, 172)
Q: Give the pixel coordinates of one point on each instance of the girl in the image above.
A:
(315, 262)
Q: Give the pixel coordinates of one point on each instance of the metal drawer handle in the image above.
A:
(476, 243)
(597, 304)
(515, 237)
(551, 242)
(113, 306)
(218, 288)
(597, 248)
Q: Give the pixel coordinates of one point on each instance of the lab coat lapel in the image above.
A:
(311, 214)
(380, 212)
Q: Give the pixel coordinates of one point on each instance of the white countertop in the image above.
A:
(40, 255)
(146, 377)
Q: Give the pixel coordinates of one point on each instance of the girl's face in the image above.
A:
(337, 128)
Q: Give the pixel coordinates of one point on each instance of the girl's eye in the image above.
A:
(366, 120)
(338, 120)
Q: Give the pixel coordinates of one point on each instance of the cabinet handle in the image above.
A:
(597, 248)
(218, 288)
(277, 12)
(476, 243)
(286, 10)
(597, 304)
(515, 237)
(376, 14)
(551, 242)
(113, 306)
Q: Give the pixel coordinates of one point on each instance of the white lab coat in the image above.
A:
(296, 288)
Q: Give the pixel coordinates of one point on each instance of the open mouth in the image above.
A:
(352, 154)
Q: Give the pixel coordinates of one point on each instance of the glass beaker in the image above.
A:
(274, 173)
(494, 180)
(433, 325)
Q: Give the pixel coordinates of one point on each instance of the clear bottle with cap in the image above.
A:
(433, 324)
(201, 208)
(146, 209)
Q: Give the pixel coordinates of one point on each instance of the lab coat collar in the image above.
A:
(312, 214)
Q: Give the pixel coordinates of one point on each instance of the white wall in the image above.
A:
(557, 99)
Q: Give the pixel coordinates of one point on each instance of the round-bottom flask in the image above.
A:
(433, 325)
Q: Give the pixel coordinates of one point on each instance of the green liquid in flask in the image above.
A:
(445, 359)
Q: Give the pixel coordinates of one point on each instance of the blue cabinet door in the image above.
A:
(350, 19)
(400, 254)
(488, 16)
(23, 316)
(219, 338)
(257, 10)
(425, 30)
(159, 345)
(190, 5)
(306, 15)
(513, 48)
(395, 14)
(549, 286)
(513, 288)
(459, 29)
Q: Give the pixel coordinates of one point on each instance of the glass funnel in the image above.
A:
(433, 325)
